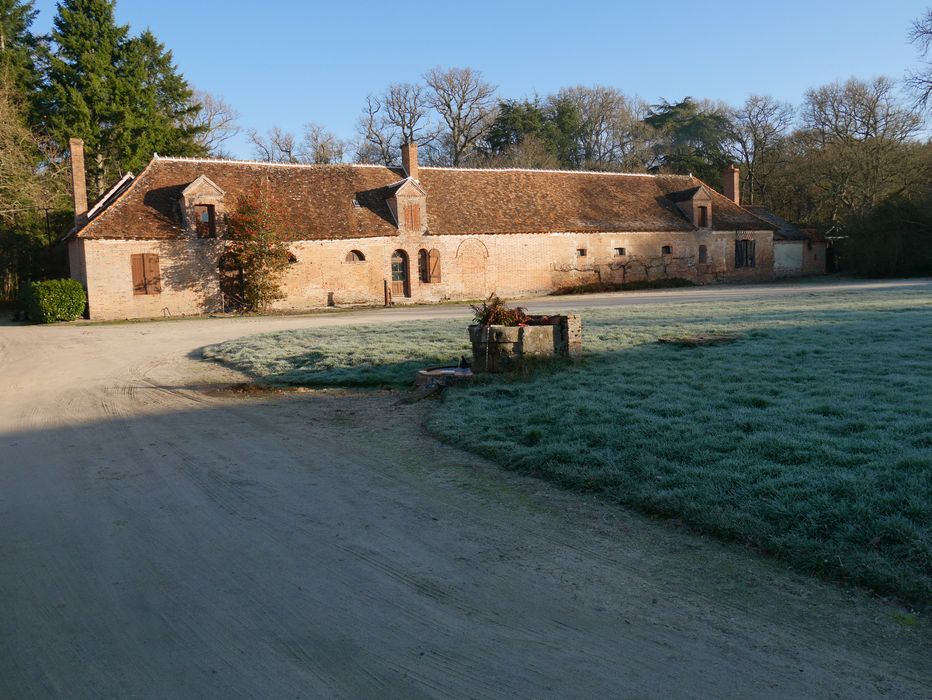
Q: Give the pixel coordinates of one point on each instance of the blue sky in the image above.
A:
(286, 63)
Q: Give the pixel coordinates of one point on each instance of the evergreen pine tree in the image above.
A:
(156, 105)
(82, 87)
(122, 95)
(19, 47)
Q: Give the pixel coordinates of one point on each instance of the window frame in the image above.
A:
(745, 253)
(210, 225)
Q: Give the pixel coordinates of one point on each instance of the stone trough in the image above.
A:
(500, 348)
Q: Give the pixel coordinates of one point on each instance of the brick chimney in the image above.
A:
(409, 158)
(731, 183)
(78, 184)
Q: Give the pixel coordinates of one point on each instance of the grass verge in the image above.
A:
(810, 438)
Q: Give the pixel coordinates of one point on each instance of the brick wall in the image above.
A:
(471, 267)
(512, 265)
(190, 284)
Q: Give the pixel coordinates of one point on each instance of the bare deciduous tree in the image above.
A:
(858, 144)
(320, 145)
(377, 142)
(31, 173)
(399, 115)
(760, 127)
(612, 133)
(277, 146)
(465, 103)
(214, 122)
(920, 81)
(406, 109)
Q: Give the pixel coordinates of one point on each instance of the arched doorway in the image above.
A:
(231, 282)
(401, 275)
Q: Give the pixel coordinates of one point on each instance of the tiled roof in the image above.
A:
(316, 201)
(786, 231)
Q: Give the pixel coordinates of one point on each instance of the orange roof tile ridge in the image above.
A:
(539, 170)
(191, 159)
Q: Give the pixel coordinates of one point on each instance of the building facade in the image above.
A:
(359, 234)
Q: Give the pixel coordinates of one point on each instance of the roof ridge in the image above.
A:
(536, 170)
(236, 161)
(233, 161)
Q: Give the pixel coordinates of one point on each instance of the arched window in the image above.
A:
(354, 256)
(423, 273)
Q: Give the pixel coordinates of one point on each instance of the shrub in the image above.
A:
(49, 301)
(598, 287)
(256, 241)
(494, 312)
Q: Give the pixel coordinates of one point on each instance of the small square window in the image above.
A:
(619, 252)
(666, 250)
(581, 252)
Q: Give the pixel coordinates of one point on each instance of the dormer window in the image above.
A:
(200, 203)
(408, 203)
(695, 204)
(205, 220)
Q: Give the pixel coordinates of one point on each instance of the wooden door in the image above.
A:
(401, 285)
(231, 283)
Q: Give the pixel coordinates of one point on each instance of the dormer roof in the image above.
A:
(203, 185)
(691, 193)
(406, 186)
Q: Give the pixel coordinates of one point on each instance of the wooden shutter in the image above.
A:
(412, 217)
(153, 276)
(137, 263)
(433, 265)
(751, 250)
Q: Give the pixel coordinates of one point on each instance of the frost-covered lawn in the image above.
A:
(809, 438)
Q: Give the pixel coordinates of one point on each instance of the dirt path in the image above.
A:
(161, 538)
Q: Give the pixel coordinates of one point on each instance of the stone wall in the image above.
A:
(471, 267)
(512, 265)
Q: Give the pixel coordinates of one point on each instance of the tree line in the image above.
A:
(850, 157)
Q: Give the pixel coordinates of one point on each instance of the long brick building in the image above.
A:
(154, 244)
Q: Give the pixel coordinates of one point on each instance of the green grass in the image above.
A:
(810, 438)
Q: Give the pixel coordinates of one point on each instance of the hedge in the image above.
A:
(49, 301)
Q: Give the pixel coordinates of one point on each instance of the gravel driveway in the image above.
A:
(161, 536)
